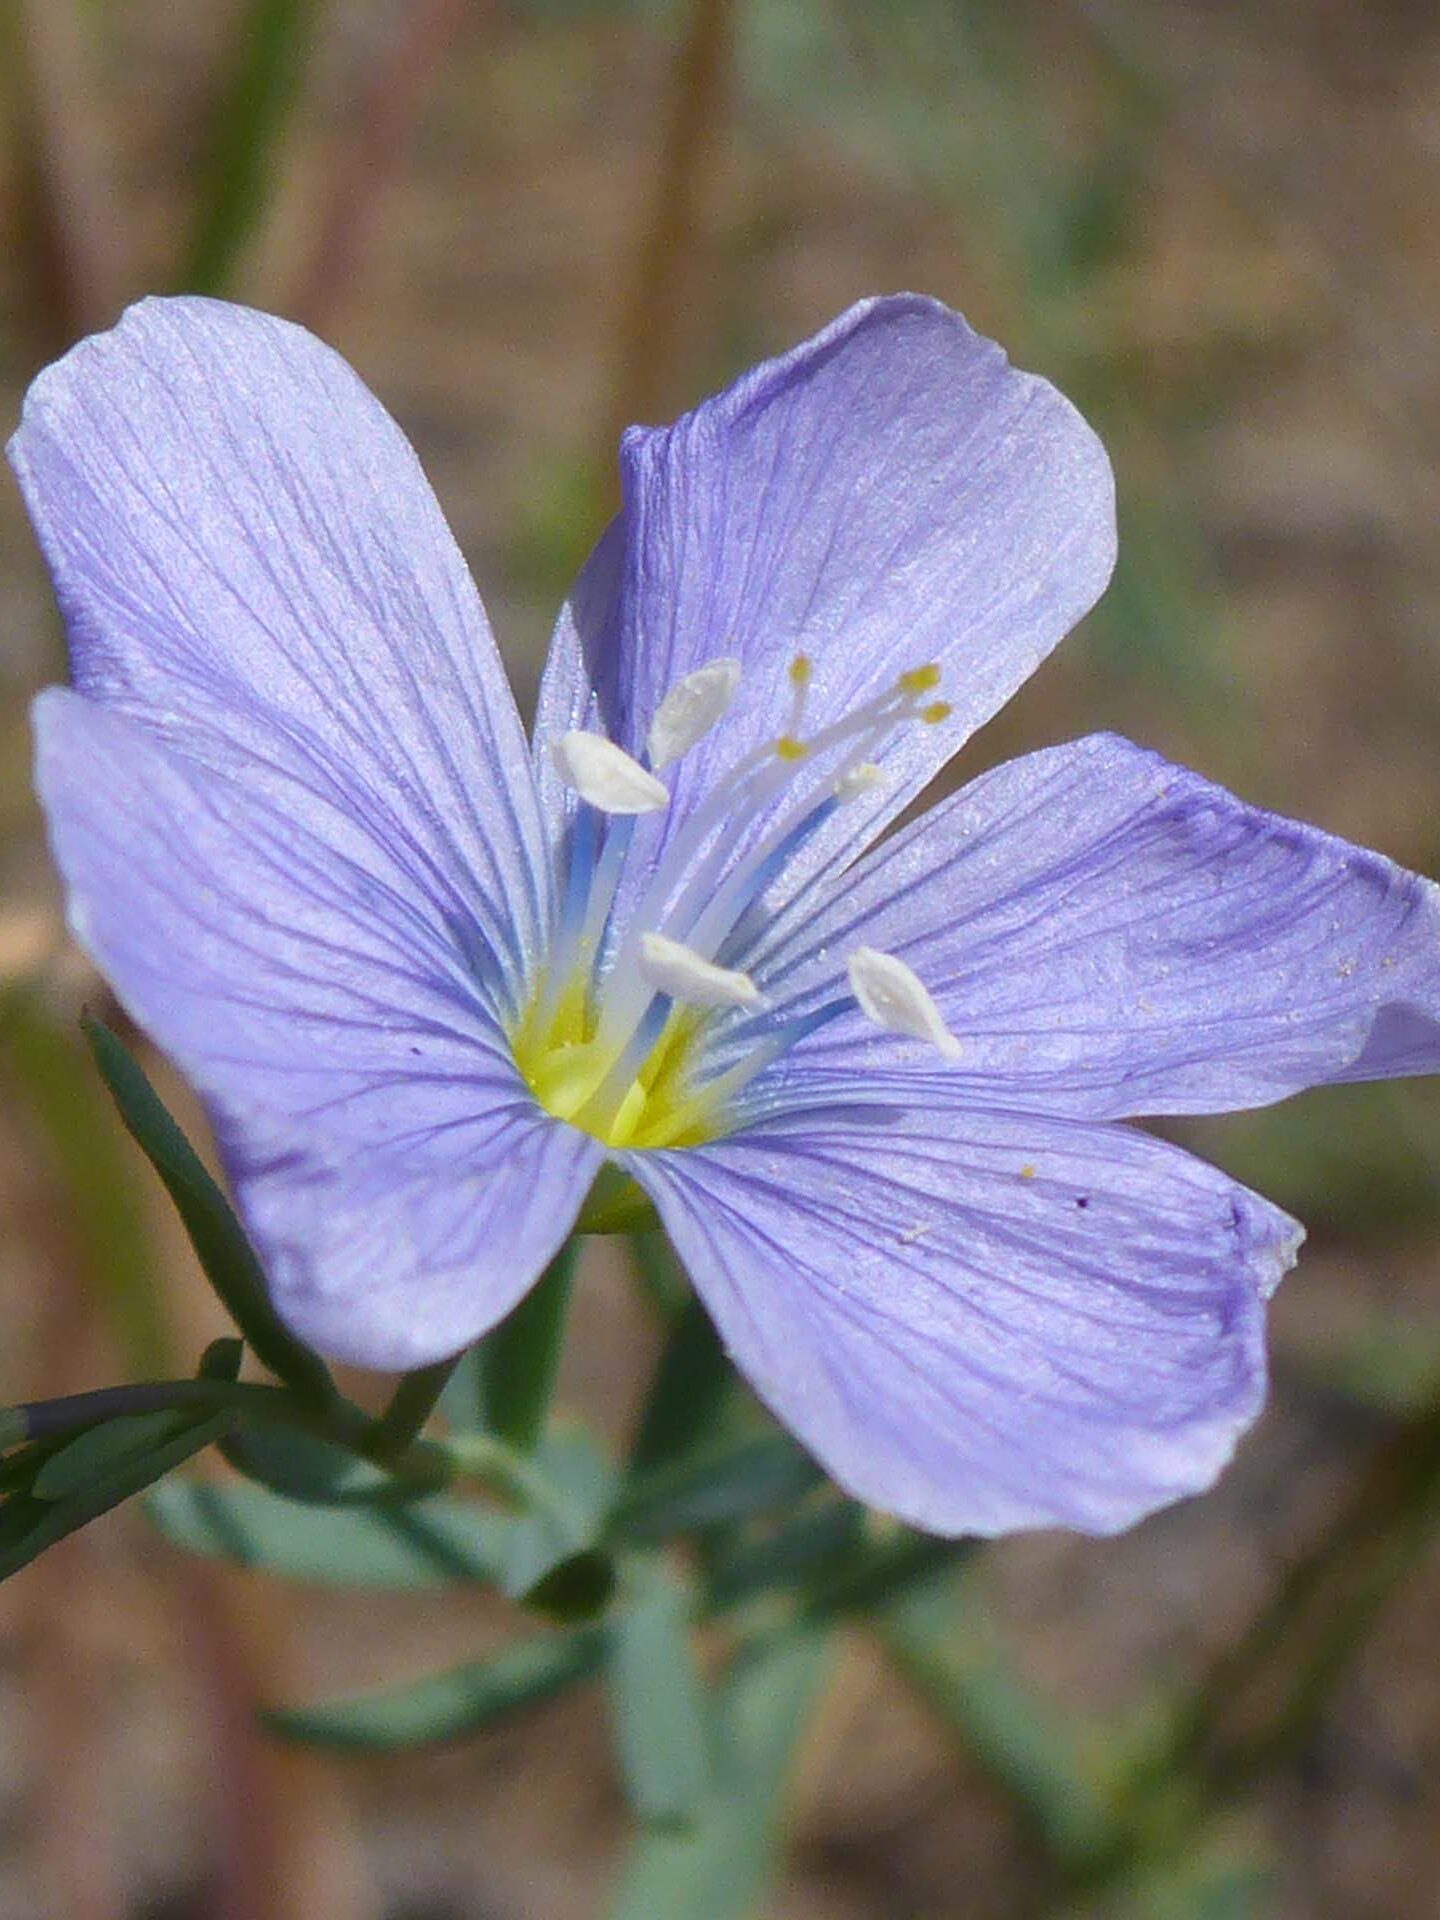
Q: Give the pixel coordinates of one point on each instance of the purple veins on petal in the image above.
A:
(429, 976)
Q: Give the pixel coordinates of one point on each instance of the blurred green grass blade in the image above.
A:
(657, 1705)
(28, 1526)
(520, 1358)
(51, 1078)
(444, 1706)
(218, 1238)
(717, 1868)
(729, 1484)
(241, 165)
(434, 1541)
(800, 1551)
(942, 1647)
(691, 1382)
(76, 1466)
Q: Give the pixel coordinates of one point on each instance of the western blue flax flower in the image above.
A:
(429, 979)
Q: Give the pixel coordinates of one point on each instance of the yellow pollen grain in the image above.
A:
(1028, 1173)
(787, 747)
(937, 711)
(800, 670)
(920, 679)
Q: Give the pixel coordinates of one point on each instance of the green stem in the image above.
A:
(516, 1479)
(414, 1401)
(39, 1419)
(520, 1358)
(689, 1387)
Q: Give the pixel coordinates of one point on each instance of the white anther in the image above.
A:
(675, 969)
(896, 999)
(862, 779)
(606, 776)
(690, 709)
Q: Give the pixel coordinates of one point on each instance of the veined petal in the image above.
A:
(983, 1321)
(252, 565)
(387, 1267)
(1111, 935)
(888, 494)
(402, 1186)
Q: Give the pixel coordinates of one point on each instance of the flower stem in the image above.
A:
(40, 1419)
(413, 1403)
(521, 1356)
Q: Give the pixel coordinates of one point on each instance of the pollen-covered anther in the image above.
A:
(690, 709)
(895, 998)
(787, 747)
(672, 968)
(917, 680)
(937, 711)
(606, 776)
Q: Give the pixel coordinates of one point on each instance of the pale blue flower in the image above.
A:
(427, 989)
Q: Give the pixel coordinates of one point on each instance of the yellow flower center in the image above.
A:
(566, 1067)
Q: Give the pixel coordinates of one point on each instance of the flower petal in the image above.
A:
(1107, 935)
(385, 1268)
(402, 1185)
(983, 1321)
(251, 563)
(891, 492)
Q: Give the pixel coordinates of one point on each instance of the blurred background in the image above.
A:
(527, 222)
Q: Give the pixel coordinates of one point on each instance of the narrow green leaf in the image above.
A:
(657, 1704)
(444, 1706)
(944, 1648)
(582, 1481)
(428, 1542)
(717, 1867)
(729, 1484)
(99, 1449)
(218, 1238)
(521, 1356)
(241, 166)
(36, 1525)
(50, 1076)
(691, 1382)
(816, 1543)
(304, 1467)
(576, 1589)
(18, 1469)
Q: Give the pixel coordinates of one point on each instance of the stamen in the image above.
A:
(690, 709)
(610, 1042)
(801, 674)
(606, 776)
(895, 998)
(680, 973)
(866, 778)
(920, 679)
